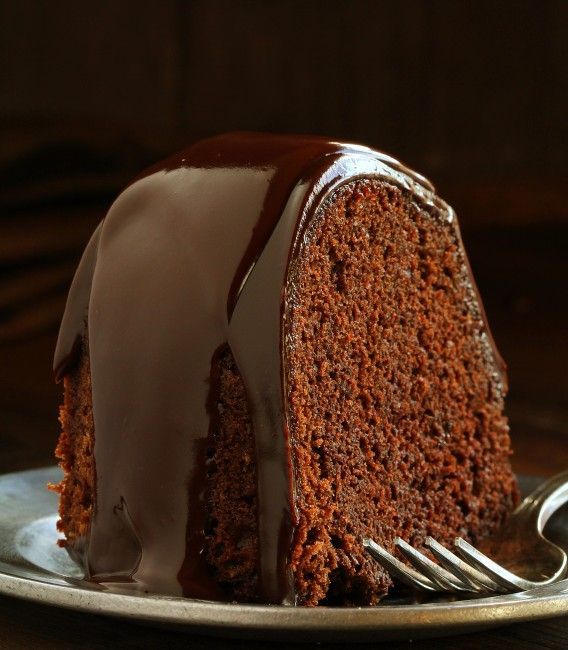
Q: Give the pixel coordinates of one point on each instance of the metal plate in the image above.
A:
(34, 568)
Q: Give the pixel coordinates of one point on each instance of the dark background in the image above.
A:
(472, 94)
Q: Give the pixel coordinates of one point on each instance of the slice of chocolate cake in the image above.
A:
(272, 349)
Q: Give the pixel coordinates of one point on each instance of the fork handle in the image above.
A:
(546, 499)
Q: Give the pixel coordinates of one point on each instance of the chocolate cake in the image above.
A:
(273, 348)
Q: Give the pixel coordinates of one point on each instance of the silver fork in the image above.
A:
(516, 558)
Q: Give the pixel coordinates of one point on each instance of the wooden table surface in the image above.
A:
(521, 273)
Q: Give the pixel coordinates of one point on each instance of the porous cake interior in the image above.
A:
(75, 450)
(231, 530)
(394, 402)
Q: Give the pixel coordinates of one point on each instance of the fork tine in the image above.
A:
(478, 581)
(500, 575)
(445, 580)
(397, 569)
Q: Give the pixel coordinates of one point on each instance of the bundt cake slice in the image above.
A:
(272, 349)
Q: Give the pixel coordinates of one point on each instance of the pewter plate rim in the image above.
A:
(25, 505)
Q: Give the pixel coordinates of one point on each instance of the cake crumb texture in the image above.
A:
(395, 399)
(231, 532)
(75, 452)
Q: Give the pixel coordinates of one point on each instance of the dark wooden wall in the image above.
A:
(453, 86)
(471, 93)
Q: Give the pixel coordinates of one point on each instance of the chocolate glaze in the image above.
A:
(191, 256)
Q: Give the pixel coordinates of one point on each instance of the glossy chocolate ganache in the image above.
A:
(191, 257)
